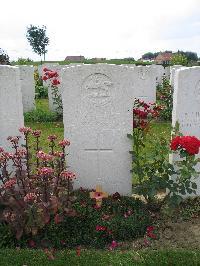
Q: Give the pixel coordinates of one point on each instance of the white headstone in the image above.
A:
(167, 72)
(11, 108)
(186, 104)
(172, 73)
(145, 82)
(27, 87)
(97, 109)
(159, 73)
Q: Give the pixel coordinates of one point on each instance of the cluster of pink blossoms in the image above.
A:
(10, 183)
(68, 175)
(30, 197)
(44, 171)
(44, 156)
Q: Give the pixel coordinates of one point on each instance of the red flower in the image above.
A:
(101, 228)
(44, 78)
(46, 69)
(55, 82)
(188, 143)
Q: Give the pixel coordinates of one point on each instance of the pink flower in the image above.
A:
(67, 175)
(113, 245)
(21, 152)
(14, 140)
(1, 150)
(59, 154)
(30, 197)
(45, 171)
(44, 156)
(36, 133)
(52, 137)
(10, 183)
(25, 130)
(64, 143)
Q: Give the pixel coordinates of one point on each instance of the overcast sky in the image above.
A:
(101, 28)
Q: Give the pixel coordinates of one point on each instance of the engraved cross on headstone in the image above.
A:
(103, 148)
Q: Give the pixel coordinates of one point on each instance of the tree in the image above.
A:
(148, 55)
(4, 58)
(179, 59)
(38, 39)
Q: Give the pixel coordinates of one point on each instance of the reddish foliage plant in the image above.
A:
(35, 186)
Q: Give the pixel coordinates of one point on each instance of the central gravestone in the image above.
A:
(97, 109)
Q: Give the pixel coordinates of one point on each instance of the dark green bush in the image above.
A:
(40, 115)
(81, 229)
(41, 92)
(164, 95)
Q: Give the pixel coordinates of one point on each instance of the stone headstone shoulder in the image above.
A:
(27, 87)
(11, 107)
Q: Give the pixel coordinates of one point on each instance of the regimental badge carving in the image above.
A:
(197, 91)
(97, 88)
(143, 72)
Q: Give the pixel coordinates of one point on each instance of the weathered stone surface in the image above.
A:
(186, 104)
(97, 102)
(11, 108)
(27, 87)
(145, 82)
(172, 73)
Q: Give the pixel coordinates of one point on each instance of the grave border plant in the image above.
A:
(155, 173)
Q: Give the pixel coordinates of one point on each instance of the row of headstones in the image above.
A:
(152, 74)
(97, 115)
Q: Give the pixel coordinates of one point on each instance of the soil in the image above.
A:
(179, 234)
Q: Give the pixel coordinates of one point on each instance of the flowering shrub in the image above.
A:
(38, 188)
(53, 76)
(186, 147)
(152, 172)
(164, 96)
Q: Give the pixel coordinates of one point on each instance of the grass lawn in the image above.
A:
(100, 258)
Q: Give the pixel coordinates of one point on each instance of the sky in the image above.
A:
(101, 28)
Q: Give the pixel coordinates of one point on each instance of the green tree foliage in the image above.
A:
(24, 61)
(4, 58)
(191, 56)
(148, 55)
(179, 59)
(38, 40)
